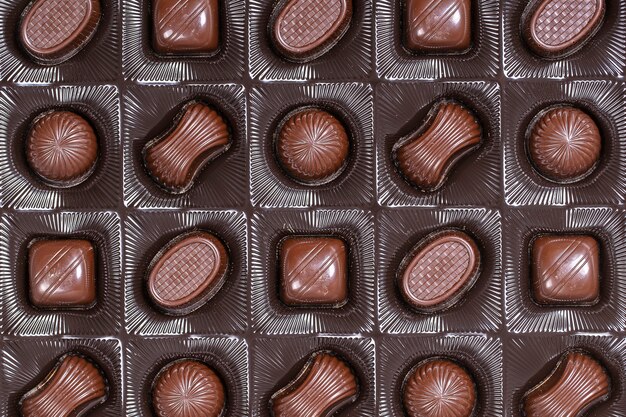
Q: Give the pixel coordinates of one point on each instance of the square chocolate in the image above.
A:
(443, 26)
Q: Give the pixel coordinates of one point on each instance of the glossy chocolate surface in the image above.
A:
(438, 26)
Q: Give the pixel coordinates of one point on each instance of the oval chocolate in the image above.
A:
(187, 273)
(440, 270)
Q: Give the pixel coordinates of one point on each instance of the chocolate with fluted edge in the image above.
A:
(438, 26)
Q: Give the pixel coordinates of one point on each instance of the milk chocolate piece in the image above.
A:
(439, 387)
(187, 273)
(303, 30)
(426, 156)
(198, 136)
(576, 384)
(440, 270)
(324, 385)
(438, 25)
(61, 148)
(566, 270)
(312, 146)
(313, 271)
(62, 274)
(71, 389)
(53, 31)
(188, 388)
(558, 28)
(185, 27)
(564, 144)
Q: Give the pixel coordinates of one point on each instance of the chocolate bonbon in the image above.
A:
(53, 31)
(441, 26)
(188, 388)
(188, 272)
(198, 136)
(74, 387)
(426, 156)
(577, 383)
(325, 384)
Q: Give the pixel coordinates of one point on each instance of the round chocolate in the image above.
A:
(62, 148)
(564, 144)
(188, 388)
(312, 146)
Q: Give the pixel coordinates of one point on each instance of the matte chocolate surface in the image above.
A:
(576, 384)
(439, 387)
(198, 136)
(188, 272)
(426, 156)
(61, 274)
(72, 388)
(53, 31)
(188, 388)
(438, 25)
(324, 385)
(303, 30)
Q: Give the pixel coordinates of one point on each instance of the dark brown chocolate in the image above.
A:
(324, 385)
(61, 148)
(426, 156)
(312, 146)
(62, 274)
(313, 271)
(72, 388)
(188, 388)
(53, 31)
(187, 273)
(185, 27)
(438, 25)
(577, 383)
(303, 30)
(440, 270)
(564, 144)
(176, 158)
(439, 387)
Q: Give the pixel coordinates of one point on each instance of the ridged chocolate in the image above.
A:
(53, 31)
(175, 159)
(71, 389)
(438, 25)
(312, 146)
(557, 28)
(188, 272)
(188, 388)
(564, 144)
(324, 385)
(61, 148)
(440, 270)
(313, 271)
(439, 387)
(303, 30)
(426, 156)
(577, 383)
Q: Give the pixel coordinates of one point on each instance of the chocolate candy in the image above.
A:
(53, 31)
(61, 274)
(61, 148)
(439, 387)
(565, 270)
(188, 388)
(438, 25)
(72, 388)
(576, 384)
(312, 146)
(557, 28)
(303, 30)
(324, 385)
(564, 144)
(187, 273)
(313, 271)
(185, 27)
(426, 156)
(439, 271)
(198, 136)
